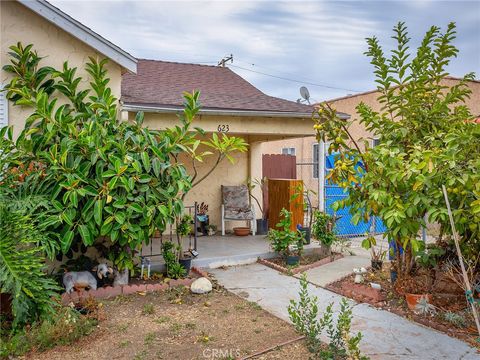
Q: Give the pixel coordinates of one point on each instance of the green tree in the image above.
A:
(427, 138)
(106, 177)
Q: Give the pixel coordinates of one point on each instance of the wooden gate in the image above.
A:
(282, 193)
(277, 166)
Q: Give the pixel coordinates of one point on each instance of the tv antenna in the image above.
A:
(305, 94)
(225, 59)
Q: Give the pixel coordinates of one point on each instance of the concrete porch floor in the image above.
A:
(229, 250)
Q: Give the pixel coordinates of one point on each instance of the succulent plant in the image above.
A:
(425, 308)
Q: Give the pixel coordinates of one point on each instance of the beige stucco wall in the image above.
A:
(19, 24)
(348, 105)
(254, 130)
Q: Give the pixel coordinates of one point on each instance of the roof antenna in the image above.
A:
(305, 94)
(225, 59)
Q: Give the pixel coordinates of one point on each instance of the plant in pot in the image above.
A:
(203, 218)
(287, 242)
(307, 209)
(183, 229)
(323, 228)
(171, 256)
(262, 224)
(378, 255)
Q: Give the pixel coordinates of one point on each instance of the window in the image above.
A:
(3, 108)
(288, 151)
(375, 142)
(315, 161)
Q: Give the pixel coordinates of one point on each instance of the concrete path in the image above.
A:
(337, 269)
(386, 336)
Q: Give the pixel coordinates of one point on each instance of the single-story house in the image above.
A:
(57, 37)
(229, 103)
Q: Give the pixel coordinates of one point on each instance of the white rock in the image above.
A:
(201, 286)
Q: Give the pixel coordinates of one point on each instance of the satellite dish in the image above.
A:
(305, 93)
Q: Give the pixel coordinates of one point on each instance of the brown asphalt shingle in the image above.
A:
(161, 83)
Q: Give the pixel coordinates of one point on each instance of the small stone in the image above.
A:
(207, 304)
(201, 286)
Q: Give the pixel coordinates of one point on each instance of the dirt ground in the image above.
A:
(179, 325)
(395, 302)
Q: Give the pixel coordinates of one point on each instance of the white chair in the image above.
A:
(236, 206)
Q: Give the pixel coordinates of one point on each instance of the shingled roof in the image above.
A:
(159, 85)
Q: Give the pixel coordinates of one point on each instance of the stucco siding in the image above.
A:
(19, 24)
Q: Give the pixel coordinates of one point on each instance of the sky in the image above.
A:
(318, 44)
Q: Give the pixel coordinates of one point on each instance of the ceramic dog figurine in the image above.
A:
(85, 279)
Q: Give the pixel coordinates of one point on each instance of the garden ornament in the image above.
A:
(102, 270)
(359, 272)
(120, 277)
(145, 261)
(85, 279)
(79, 280)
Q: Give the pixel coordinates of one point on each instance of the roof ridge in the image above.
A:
(182, 63)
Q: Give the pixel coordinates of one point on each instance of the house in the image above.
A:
(306, 149)
(57, 37)
(229, 104)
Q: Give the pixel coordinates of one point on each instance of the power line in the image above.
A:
(294, 80)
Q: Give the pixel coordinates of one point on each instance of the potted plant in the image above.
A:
(203, 218)
(307, 209)
(183, 229)
(171, 256)
(378, 256)
(262, 224)
(415, 289)
(323, 228)
(287, 242)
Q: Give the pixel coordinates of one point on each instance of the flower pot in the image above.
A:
(376, 264)
(413, 299)
(293, 259)
(393, 276)
(186, 262)
(241, 231)
(262, 226)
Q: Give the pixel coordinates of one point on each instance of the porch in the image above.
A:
(216, 251)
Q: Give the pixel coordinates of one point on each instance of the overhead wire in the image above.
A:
(299, 81)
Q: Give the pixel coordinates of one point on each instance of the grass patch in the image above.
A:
(67, 327)
(148, 309)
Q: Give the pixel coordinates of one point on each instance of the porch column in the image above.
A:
(255, 172)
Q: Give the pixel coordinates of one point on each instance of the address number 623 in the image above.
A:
(223, 128)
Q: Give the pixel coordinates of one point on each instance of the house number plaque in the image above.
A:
(223, 128)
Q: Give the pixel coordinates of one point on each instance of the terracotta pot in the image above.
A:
(413, 299)
(241, 231)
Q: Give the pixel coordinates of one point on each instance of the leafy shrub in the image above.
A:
(107, 178)
(427, 138)
(323, 228)
(283, 239)
(171, 255)
(304, 316)
(21, 269)
(67, 327)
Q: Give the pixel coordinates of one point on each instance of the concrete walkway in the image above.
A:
(385, 335)
(337, 269)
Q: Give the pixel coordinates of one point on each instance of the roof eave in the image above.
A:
(216, 112)
(81, 32)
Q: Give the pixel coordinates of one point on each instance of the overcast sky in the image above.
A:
(317, 43)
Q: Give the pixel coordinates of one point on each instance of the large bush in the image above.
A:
(427, 139)
(106, 177)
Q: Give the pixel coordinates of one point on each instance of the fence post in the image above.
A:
(321, 176)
